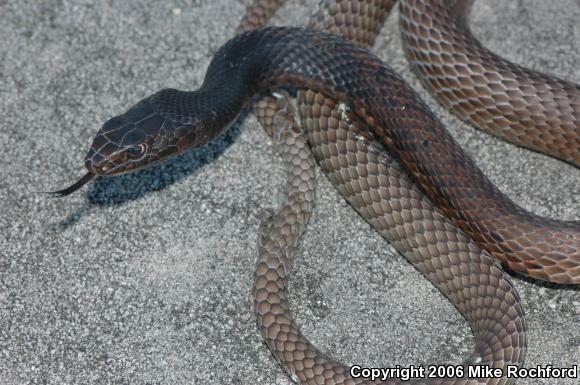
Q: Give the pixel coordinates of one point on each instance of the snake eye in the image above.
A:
(137, 151)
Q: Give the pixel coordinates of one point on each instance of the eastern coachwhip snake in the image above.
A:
(363, 91)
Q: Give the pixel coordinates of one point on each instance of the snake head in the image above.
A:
(156, 128)
(124, 143)
(130, 141)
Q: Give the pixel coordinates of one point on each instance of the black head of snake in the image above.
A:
(156, 128)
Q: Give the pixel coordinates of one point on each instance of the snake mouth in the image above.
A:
(74, 187)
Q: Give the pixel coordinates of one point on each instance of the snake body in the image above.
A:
(519, 105)
(539, 247)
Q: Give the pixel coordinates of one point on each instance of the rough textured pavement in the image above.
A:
(146, 278)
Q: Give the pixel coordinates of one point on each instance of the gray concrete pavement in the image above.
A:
(146, 278)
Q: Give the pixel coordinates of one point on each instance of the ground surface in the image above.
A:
(146, 278)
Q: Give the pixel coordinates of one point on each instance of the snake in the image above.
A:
(390, 193)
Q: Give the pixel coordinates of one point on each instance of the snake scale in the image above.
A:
(354, 109)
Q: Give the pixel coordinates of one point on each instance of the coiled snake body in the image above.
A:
(522, 106)
(368, 93)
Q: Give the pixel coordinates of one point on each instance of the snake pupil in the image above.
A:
(136, 152)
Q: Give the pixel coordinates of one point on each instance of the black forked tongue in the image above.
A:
(69, 190)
